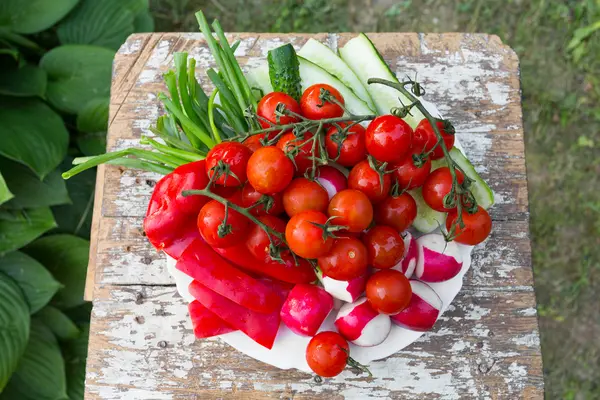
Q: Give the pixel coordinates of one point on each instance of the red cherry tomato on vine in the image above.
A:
(425, 138)
(302, 159)
(258, 240)
(399, 212)
(305, 238)
(353, 149)
(266, 109)
(253, 142)
(327, 354)
(437, 186)
(388, 138)
(388, 291)
(351, 208)
(250, 196)
(269, 170)
(408, 175)
(346, 260)
(210, 218)
(385, 246)
(232, 156)
(313, 107)
(303, 195)
(477, 226)
(364, 178)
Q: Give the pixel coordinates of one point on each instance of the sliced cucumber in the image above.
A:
(283, 70)
(312, 74)
(259, 80)
(363, 58)
(427, 219)
(324, 57)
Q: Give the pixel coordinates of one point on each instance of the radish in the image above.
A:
(411, 256)
(423, 310)
(332, 179)
(347, 291)
(361, 324)
(305, 309)
(438, 260)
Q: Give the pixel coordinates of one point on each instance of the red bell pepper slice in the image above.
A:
(206, 323)
(262, 328)
(203, 264)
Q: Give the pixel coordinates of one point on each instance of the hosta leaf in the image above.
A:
(62, 327)
(5, 193)
(92, 144)
(75, 353)
(33, 16)
(93, 117)
(76, 75)
(35, 281)
(14, 327)
(143, 22)
(32, 134)
(27, 80)
(66, 257)
(19, 227)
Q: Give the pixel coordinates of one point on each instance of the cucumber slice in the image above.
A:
(427, 219)
(363, 58)
(283, 70)
(312, 74)
(316, 52)
(258, 78)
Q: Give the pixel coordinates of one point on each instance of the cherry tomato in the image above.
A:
(327, 354)
(303, 195)
(346, 260)
(353, 149)
(233, 154)
(258, 240)
(364, 178)
(388, 138)
(437, 186)
(408, 175)
(226, 192)
(305, 238)
(210, 218)
(398, 212)
(253, 142)
(269, 170)
(302, 159)
(388, 291)
(314, 108)
(385, 246)
(477, 226)
(351, 208)
(425, 138)
(250, 196)
(266, 110)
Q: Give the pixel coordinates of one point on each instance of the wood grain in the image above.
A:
(485, 346)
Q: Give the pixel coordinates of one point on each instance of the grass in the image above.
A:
(559, 47)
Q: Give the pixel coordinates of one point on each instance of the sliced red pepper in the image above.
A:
(206, 323)
(288, 272)
(262, 328)
(203, 264)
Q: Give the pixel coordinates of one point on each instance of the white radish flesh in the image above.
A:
(411, 255)
(360, 324)
(332, 180)
(438, 260)
(422, 311)
(347, 291)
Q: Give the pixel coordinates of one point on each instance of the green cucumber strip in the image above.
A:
(323, 56)
(427, 219)
(258, 78)
(284, 70)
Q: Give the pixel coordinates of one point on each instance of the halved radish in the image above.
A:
(347, 291)
(305, 309)
(361, 324)
(411, 256)
(422, 311)
(332, 179)
(438, 260)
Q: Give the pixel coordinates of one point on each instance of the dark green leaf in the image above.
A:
(75, 353)
(105, 23)
(19, 227)
(35, 281)
(17, 39)
(5, 193)
(33, 16)
(66, 257)
(92, 144)
(80, 314)
(29, 190)
(93, 117)
(41, 371)
(14, 327)
(143, 22)
(62, 327)
(76, 75)
(32, 134)
(27, 80)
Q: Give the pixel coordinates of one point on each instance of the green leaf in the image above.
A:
(33, 16)
(5, 193)
(66, 257)
(93, 117)
(19, 227)
(17, 39)
(92, 144)
(62, 327)
(29, 190)
(75, 353)
(582, 34)
(76, 75)
(80, 314)
(41, 371)
(105, 23)
(35, 281)
(32, 134)
(14, 327)
(143, 22)
(27, 80)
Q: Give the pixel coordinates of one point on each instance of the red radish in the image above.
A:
(362, 325)
(306, 308)
(262, 328)
(411, 256)
(423, 310)
(347, 291)
(205, 322)
(438, 260)
(332, 179)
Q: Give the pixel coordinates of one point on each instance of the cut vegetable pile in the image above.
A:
(314, 196)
